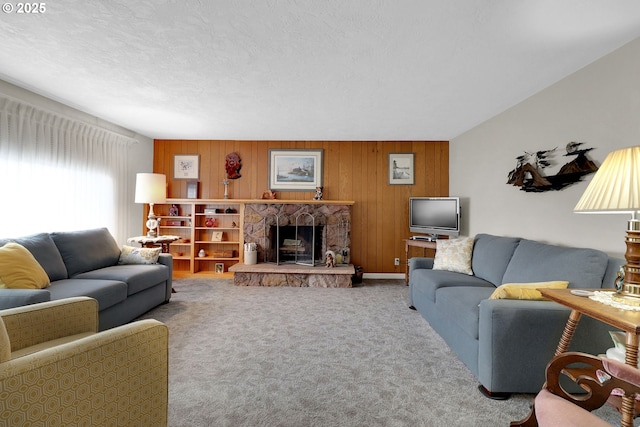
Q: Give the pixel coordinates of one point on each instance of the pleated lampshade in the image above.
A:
(615, 188)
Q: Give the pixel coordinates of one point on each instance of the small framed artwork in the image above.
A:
(219, 268)
(217, 236)
(295, 170)
(186, 166)
(401, 170)
(192, 190)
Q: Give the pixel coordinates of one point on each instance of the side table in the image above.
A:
(149, 242)
(425, 244)
(628, 321)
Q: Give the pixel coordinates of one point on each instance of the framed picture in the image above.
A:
(186, 166)
(219, 267)
(295, 170)
(192, 190)
(217, 236)
(401, 169)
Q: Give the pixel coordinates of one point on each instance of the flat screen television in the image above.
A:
(434, 216)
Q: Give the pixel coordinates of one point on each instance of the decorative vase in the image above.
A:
(202, 253)
(209, 222)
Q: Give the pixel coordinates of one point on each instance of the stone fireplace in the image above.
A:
(284, 232)
(292, 238)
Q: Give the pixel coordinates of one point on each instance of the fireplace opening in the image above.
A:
(297, 244)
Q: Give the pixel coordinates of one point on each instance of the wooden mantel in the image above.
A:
(266, 201)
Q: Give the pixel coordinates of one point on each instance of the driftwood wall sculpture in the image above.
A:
(529, 172)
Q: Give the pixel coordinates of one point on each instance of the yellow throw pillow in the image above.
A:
(19, 269)
(454, 255)
(526, 290)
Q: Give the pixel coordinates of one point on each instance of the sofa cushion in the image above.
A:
(491, 255)
(538, 262)
(133, 255)
(553, 410)
(45, 252)
(426, 282)
(454, 255)
(137, 277)
(106, 292)
(86, 250)
(19, 269)
(526, 291)
(10, 298)
(465, 303)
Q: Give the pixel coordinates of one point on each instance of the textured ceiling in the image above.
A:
(304, 69)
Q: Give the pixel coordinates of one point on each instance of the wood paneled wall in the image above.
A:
(353, 170)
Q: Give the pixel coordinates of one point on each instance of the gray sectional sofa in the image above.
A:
(85, 263)
(506, 343)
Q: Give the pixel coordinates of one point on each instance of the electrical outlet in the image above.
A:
(396, 261)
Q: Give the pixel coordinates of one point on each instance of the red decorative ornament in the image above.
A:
(233, 166)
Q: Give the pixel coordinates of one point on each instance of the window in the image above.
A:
(59, 174)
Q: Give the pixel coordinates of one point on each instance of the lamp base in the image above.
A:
(630, 291)
(152, 225)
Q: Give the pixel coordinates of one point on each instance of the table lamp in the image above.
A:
(151, 188)
(615, 188)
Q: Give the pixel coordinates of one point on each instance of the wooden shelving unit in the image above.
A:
(213, 226)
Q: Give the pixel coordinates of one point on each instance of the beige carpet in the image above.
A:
(252, 356)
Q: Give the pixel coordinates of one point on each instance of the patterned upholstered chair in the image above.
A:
(602, 380)
(57, 369)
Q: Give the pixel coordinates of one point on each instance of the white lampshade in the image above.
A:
(615, 188)
(151, 188)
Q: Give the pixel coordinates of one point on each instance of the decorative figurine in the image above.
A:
(619, 282)
(268, 195)
(202, 253)
(233, 166)
(226, 188)
(331, 259)
(318, 194)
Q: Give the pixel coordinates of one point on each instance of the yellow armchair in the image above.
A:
(56, 369)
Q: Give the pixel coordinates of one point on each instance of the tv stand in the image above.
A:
(418, 243)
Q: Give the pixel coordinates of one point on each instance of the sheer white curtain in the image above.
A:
(60, 174)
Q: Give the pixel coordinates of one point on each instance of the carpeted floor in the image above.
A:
(254, 356)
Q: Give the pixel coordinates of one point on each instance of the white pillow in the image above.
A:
(454, 255)
(132, 255)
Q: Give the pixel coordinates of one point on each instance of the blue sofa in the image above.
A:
(85, 263)
(507, 343)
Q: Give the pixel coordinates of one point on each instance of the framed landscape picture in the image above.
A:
(186, 166)
(295, 170)
(401, 170)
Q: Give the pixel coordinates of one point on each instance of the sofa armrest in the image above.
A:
(10, 298)
(167, 259)
(38, 323)
(119, 374)
(517, 338)
(419, 262)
